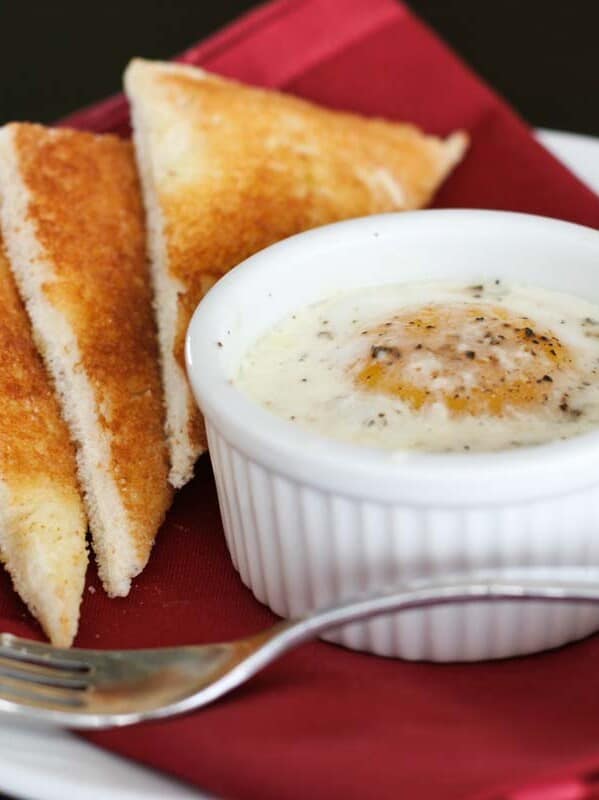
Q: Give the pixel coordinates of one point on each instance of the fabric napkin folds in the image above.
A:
(325, 722)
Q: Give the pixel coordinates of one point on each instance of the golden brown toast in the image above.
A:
(227, 170)
(72, 220)
(42, 522)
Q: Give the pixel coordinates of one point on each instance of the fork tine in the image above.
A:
(27, 693)
(43, 655)
(23, 670)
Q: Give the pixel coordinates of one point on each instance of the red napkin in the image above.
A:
(325, 722)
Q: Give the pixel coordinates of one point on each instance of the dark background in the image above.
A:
(56, 55)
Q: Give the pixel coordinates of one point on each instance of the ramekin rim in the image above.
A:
(301, 452)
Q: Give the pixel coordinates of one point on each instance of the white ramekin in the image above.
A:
(309, 520)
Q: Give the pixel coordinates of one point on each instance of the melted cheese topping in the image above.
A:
(434, 367)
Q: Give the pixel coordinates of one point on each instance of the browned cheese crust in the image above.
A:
(87, 211)
(257, 166)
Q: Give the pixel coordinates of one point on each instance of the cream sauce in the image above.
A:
(433, 367)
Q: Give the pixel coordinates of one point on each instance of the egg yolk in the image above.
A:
(474, 358)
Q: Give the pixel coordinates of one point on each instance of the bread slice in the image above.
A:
(72, 220)
(42, 522)
(227, 170)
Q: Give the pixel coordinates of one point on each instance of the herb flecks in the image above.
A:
(384, 352)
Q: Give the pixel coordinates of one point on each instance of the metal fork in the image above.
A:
(105, 688)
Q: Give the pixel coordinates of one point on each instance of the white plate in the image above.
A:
(579, 153)
(38, 763)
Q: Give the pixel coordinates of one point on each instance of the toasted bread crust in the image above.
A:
(235, 169)
(85, 210)
(38, 475)
(34, 439)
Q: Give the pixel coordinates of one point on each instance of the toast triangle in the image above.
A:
(42, 521)
(72, 221)
(228, 169)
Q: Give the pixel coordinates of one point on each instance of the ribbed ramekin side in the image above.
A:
(298, 547)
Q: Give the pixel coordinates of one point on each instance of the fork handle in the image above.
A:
(558, 584)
